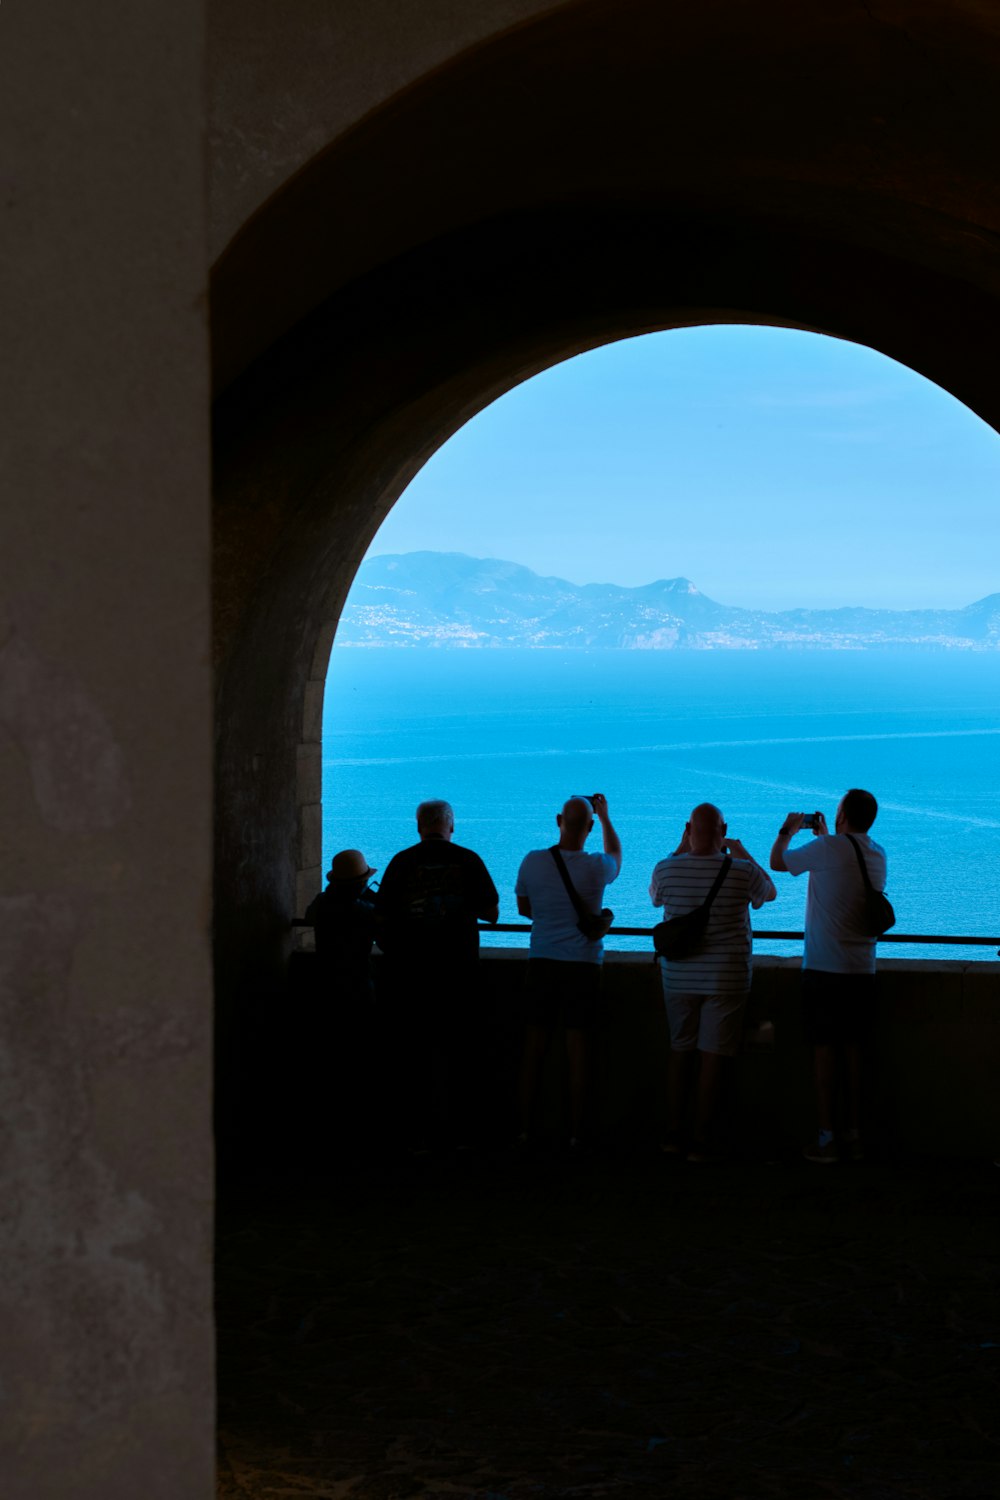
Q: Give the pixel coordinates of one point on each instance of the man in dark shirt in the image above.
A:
(427, 912)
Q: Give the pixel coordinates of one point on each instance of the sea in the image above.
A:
(507, 736)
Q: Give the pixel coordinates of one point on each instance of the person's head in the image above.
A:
(706, 829)
(349, 868)
(575, 822)
(435, 820)
(857, 811)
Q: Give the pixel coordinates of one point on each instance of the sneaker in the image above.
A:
(819, 1153)
(853, 1147)
(672, 1147)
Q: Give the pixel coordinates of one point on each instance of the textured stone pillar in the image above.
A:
(105, 707)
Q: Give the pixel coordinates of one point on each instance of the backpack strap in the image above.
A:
(861, 861)
(571, 890)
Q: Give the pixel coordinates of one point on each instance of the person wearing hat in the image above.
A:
(343, 919)
(334, 1036)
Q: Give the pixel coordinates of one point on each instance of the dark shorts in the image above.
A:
(837, 1008)
(564, 994)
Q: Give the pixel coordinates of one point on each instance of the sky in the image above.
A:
(773, 468)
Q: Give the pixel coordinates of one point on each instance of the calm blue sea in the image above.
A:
(506, 736)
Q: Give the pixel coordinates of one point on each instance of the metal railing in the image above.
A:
(774, 935)
(947, 940)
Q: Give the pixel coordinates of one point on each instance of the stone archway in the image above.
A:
(463, 280)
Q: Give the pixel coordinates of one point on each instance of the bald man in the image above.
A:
(838, 959)
(564, 966)
(706, 993)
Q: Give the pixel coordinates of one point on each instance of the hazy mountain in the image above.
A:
(448, 599)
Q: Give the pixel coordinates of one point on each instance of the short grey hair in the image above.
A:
(435, 814)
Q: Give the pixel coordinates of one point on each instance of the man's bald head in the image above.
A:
(575, 822)
(707, 829)
(578, 813)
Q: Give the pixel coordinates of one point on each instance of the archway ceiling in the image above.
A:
(867, 132)
(315, 443)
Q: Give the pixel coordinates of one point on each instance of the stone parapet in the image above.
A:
(932, 1088)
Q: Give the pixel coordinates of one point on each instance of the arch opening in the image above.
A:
(822, 521)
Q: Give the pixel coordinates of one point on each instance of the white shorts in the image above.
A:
(710, 1023)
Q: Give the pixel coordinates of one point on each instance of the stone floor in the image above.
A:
(501, 1329)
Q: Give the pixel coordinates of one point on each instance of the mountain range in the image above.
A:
(448, 599)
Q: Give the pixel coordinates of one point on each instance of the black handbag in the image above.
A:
(877, 915)
(592, 924)
(682, 937)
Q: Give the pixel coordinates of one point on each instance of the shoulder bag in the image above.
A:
(592, 924)
(877, 915)
(683, 936)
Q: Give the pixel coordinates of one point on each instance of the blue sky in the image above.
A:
(773, 468)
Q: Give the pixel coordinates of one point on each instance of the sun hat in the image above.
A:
(350, 864)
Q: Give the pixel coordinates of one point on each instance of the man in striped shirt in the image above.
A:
(706, 993)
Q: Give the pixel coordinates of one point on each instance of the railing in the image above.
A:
(774, 935)
(767, 933)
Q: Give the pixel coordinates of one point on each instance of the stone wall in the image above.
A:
(106, 1353)
(932, 1089)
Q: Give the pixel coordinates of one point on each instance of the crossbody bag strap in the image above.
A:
(718, 882)
(572, 892)
(861, 861)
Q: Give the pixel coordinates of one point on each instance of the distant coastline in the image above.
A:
(449, 601)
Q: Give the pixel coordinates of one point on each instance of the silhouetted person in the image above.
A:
(706, 993)
(564, 966)
(335, 1062)
(838, 961)
(430, 902)
(343, 919)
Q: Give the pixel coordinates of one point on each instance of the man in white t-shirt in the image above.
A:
(564, 966)
(838, 960)
(706, 993)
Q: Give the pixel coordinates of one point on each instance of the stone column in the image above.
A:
(105, 744)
